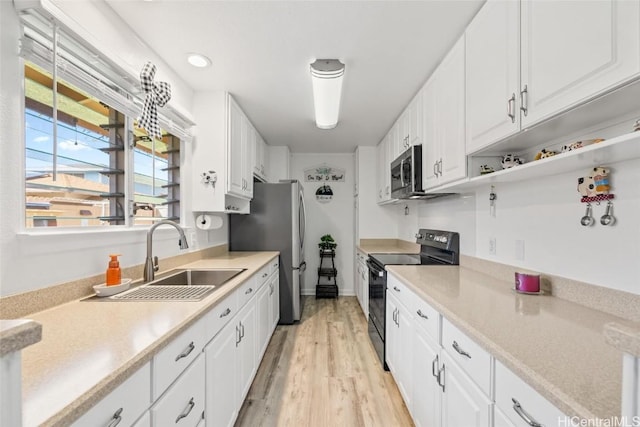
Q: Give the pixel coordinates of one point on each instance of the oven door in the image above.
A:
(377, 296)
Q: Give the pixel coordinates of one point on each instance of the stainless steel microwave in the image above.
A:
(406, 174)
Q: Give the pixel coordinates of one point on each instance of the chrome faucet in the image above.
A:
(151, 263)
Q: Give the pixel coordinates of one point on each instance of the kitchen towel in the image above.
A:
(158, 94)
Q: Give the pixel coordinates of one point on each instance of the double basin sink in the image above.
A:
(181, 285)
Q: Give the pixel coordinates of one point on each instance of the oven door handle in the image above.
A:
(374, 269)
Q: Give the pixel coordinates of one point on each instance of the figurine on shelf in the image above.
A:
(544, 153)
(596, 183)
(485, 169)
(580, 144)
(510, 160)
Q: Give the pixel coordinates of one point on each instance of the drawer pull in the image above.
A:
(275, 265)
(523, 414)
(421, 314)
(397, 289)
(115, 420)
(460, 351)
(248, 291)
(186, 351)
(225, 313)
(238, 337)
(186, 411)
(264, 275)
(271, 288)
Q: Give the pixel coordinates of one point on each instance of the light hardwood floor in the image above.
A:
(322, 372)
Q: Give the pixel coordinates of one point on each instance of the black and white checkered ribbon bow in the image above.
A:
(158, 94)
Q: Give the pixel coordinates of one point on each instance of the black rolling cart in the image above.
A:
(327, 287)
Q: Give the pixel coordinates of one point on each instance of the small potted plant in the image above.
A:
(327, 243)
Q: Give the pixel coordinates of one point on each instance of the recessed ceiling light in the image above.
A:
(198, 60)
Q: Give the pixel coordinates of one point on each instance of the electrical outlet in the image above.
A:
(193, 240)
(519, 250)
(492, 245)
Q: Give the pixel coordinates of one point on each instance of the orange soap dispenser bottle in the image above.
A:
(114, 274)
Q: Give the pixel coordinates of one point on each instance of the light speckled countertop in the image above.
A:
(556, 346)
(89, 348)
(387, 246)
(18, 334)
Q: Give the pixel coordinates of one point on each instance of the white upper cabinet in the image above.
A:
(260, 157)
(529, 61)
(492, 74)
(574, 50)
(241, 141)
(444, 158)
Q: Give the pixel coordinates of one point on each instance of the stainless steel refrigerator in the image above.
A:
(276, 223)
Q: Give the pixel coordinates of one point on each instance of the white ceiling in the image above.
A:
(261, 51)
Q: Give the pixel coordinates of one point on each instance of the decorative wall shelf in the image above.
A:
(621, 148)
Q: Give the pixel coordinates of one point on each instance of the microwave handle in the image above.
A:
(402, 173)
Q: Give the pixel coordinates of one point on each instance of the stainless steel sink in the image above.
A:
(181, 285)
(198, 277)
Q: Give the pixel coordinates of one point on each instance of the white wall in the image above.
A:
(545, 215)
(335, 218)
(32, 261)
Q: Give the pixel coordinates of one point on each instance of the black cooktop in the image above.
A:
(403, 259)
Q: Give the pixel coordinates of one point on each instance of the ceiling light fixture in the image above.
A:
(198, 60)
(326, 76)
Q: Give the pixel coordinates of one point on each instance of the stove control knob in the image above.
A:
(419, 236)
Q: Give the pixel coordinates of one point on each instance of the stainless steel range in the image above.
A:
(436, 248)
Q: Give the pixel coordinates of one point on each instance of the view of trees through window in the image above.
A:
(83, 181)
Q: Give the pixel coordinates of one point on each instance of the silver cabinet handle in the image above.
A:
(186, 351)
(441, 373)
(421, 314)
(398, 317)
(440, 166)
(395, 288)
(270, 288)
(434, 366)
(275, 265)
(511, 103)
(524, 100)
(460, 351)
(264, 275)
(225, 313)
(248, 291)
(186, 411)
(524, 415)
(238, 338)
(115, 420)
(241, 331)
(435, 165)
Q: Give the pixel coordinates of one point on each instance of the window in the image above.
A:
(86, 163)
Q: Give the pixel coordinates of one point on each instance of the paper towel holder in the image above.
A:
(210, 177)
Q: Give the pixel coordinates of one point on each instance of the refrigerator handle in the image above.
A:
(302, 267)
(303, 226)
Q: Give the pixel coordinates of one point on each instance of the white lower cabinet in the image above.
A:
(445, 378)
(263, 318)
(123, 405)
(274, 301)
(247, 349)
(517, 404)
(426, 390)
(184, 402)
(463, 403)
(221, 382)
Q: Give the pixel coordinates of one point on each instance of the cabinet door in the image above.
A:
(248, 141)
(415, 121)
(222, 373)
(450, 115)
(248, 356)
(492, 74)
(426, 391)
(572, 50)
(381, 156)
(430, 155)
(364, 289)
(263, 319)
(463, 404)
(392, 335)
(275, 300)
(405, 355)
(235, 147)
